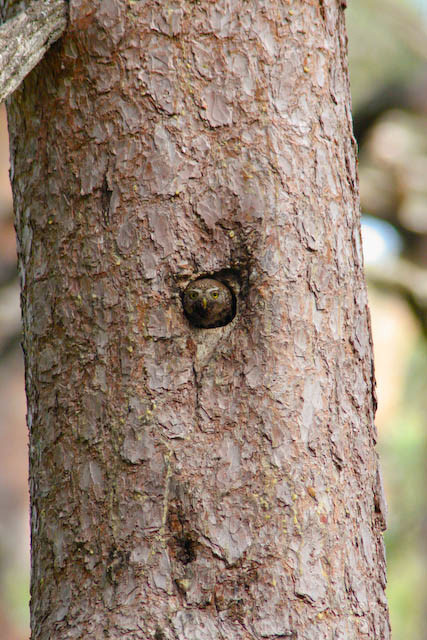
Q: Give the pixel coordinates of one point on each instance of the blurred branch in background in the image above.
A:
(393, 167)
(405, 280)
(408, 94)
(25, 38)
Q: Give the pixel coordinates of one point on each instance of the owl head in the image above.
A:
(208, 303)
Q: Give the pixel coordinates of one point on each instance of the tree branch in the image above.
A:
(25, 39)
(406, 280)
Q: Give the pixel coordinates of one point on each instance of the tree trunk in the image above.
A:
(192, 483)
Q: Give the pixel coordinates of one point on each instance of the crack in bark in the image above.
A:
(197, 381)
(166, 495)
(106, 194)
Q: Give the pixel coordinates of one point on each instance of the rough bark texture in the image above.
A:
(186, 483)
(25, 39)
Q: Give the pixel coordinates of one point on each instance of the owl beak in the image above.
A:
(204, 303)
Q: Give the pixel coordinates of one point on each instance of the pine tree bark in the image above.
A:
(195, 483)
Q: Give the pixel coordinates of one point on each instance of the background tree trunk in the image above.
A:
(190, 483)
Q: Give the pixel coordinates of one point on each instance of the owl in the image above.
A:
(208, 303)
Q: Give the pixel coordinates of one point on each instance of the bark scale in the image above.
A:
(190, 483)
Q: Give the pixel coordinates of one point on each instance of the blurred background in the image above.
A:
(388, 69)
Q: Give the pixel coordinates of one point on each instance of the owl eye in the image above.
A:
(215, 294)
(193, 295)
